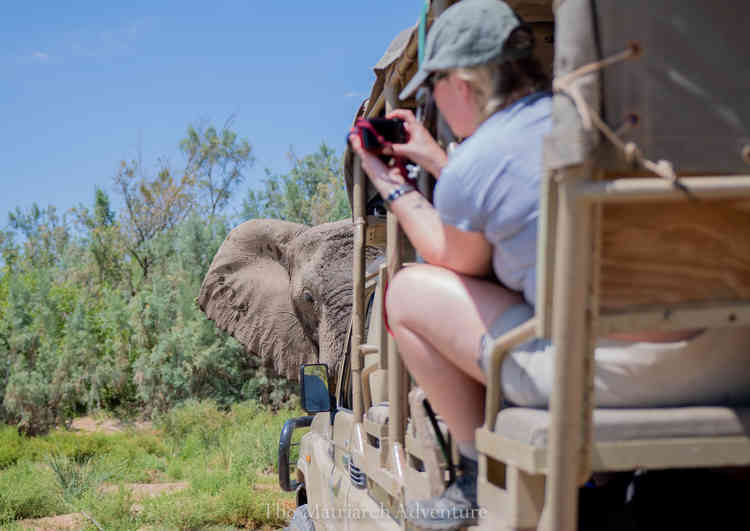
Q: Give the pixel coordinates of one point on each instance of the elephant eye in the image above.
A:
(308, 297)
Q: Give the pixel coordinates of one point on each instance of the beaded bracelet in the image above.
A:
(396, 193)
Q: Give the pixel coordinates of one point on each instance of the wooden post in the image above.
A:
(398, 378)
(545, 255)
(397, 375)
(384, 336)
(358, 277)
(569, 407)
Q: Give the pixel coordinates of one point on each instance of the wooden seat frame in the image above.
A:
(539, 485)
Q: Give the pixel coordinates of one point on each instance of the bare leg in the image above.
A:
(438, 317)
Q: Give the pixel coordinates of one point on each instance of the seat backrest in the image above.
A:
(672, 253)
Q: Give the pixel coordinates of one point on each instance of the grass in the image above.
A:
(227, 460)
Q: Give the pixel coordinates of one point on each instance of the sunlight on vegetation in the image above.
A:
(98, 308)
(226, 460)
(98, 315)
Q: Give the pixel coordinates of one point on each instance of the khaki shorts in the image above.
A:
(711, 368)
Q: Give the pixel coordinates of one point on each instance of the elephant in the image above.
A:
(284, 291)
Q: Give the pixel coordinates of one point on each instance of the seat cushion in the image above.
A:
(531, 426)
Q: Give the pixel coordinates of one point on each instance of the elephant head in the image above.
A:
(284, 291)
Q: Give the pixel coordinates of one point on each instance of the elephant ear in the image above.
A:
(246, 293)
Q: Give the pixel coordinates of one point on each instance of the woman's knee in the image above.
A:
(403, 299)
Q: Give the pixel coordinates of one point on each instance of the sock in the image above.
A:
(468, 449)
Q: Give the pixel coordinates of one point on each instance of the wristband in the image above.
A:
(396, 193)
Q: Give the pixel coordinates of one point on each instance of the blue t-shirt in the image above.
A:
(491, 185)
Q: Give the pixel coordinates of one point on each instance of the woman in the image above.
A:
(488, 88)
(490, 91)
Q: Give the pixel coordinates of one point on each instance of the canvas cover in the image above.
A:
(688, 89)
(575, 46)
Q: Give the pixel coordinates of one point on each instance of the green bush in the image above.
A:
(28, 490)
(58, 363)
(142, 448)
(113, 510)
(191, 417)
(233, 503)
(76, 478)
(11, 446)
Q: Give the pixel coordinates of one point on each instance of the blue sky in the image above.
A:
(87, 84)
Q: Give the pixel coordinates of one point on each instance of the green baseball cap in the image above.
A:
(469, 33)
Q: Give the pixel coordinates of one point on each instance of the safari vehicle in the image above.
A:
(644, 225)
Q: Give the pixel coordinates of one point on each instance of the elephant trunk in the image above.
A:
(334, 325)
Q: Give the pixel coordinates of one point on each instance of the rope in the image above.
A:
(569, 84)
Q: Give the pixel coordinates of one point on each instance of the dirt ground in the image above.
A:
(106, 425)
(148, 490)
(54, 523)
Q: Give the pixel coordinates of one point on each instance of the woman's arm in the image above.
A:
(439, 243)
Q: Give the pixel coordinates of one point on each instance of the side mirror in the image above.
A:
(313, 378)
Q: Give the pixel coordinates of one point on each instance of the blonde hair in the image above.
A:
(483, 81)
(497, 85)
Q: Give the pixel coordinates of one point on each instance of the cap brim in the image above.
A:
(415, 82)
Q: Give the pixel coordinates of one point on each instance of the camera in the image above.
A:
(376, 133)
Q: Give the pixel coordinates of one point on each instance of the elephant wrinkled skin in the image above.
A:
(284, 291)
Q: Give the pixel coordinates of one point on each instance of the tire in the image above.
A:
(301, 520)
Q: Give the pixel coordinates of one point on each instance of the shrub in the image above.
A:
(133, 449)
(113, 509)
(11, 446)
(193, 417)
(75, 478)
(28, 490)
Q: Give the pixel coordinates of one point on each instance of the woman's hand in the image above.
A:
(436, 241)
(421, 148)
(384, 179)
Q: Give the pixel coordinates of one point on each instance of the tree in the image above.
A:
(312, 192)
(46, 235)
(214, 166)
(8, 249)
(103, 214)
(105, 238)
(215, 162)
(152, 206)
